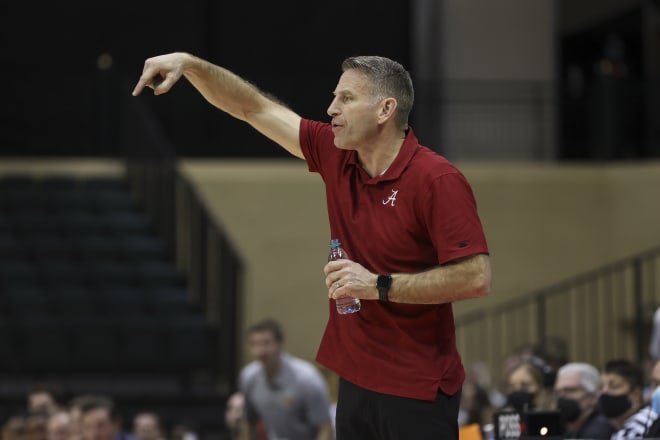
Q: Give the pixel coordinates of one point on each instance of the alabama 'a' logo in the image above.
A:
(392, 198)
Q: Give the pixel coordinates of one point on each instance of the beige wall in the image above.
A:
(543, 222)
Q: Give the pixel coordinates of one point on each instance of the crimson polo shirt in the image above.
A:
(418, 214)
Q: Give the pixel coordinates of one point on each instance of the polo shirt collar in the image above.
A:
(279, 381)
(395, 169)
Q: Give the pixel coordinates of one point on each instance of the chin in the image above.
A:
(342, 146)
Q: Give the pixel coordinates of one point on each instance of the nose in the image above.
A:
(332, 109)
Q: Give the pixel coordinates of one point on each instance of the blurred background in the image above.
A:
(140, 236)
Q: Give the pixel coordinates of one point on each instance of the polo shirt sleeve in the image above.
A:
(317, 144)
(452, 218)
(317, 400)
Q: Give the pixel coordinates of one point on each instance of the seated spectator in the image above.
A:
(147, 426)
(59, 426)
(75, 410)
(234, 414)
(576, 389)
(529, 384)
(43, 398)
(30, 427)
(621, 400)
(100, 421)
(475, 406)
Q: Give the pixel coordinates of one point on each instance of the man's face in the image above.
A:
(97, 424)
(354, 111)
(613, 384)
(569, 386)
(41, 402)
(146, 427)
(60, 426)
(264, 348)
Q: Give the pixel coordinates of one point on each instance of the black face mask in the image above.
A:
(521, 401)
(613, 406)
(569, 409)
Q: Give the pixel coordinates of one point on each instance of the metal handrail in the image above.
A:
(203, 254)
(599, 315)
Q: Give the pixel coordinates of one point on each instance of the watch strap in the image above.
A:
(383, 284)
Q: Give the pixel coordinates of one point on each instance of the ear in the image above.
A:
(387, 109)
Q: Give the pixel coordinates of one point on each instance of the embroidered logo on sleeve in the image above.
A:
(392, 198)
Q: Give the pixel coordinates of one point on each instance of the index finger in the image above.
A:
(333, 266)
(144, 80)
(149, 78)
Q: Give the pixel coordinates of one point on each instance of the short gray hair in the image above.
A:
(389, 79)
(589, 375)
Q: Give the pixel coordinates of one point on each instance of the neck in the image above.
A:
(378, 159)
(273, 368)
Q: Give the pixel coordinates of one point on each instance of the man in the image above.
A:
(622, 402)
(406, 217)
(287, 394)
(576, 389)
(43, 398)
(147, 426)
(59, 426)
(99, 420)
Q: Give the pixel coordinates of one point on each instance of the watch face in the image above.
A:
(384, 281)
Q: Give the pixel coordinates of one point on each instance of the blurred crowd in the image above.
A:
(88, 417)
(617, 400)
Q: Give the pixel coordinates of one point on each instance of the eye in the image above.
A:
(346, 99)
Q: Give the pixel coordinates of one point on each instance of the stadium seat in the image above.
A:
(123, 299)
(95, 343)
(96, 246)
(153, 274)
(57, 271)
(142, 342)
(46, 343)
(13, 271)
(168, 300)
(73, 301)
(136, 247)
(26, 299)
(191, 341)
(126, 222)
(48, 245)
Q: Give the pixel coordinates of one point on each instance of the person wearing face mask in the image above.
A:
(528, 385)
(621, 400)
(576, 390)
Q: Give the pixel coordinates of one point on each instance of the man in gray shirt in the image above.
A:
(285, 393)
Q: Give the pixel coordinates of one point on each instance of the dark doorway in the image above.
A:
(601, 90)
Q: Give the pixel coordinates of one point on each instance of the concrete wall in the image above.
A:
(484, 76)
(544, 223)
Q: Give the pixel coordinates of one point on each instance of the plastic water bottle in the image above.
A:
(345, 304)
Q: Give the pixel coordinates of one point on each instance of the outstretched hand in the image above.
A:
(161, 73)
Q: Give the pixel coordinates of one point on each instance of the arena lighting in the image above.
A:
(104, 61)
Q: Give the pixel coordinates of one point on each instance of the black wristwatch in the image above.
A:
(383, 284)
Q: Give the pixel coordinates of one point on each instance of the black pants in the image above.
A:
(366, 415)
